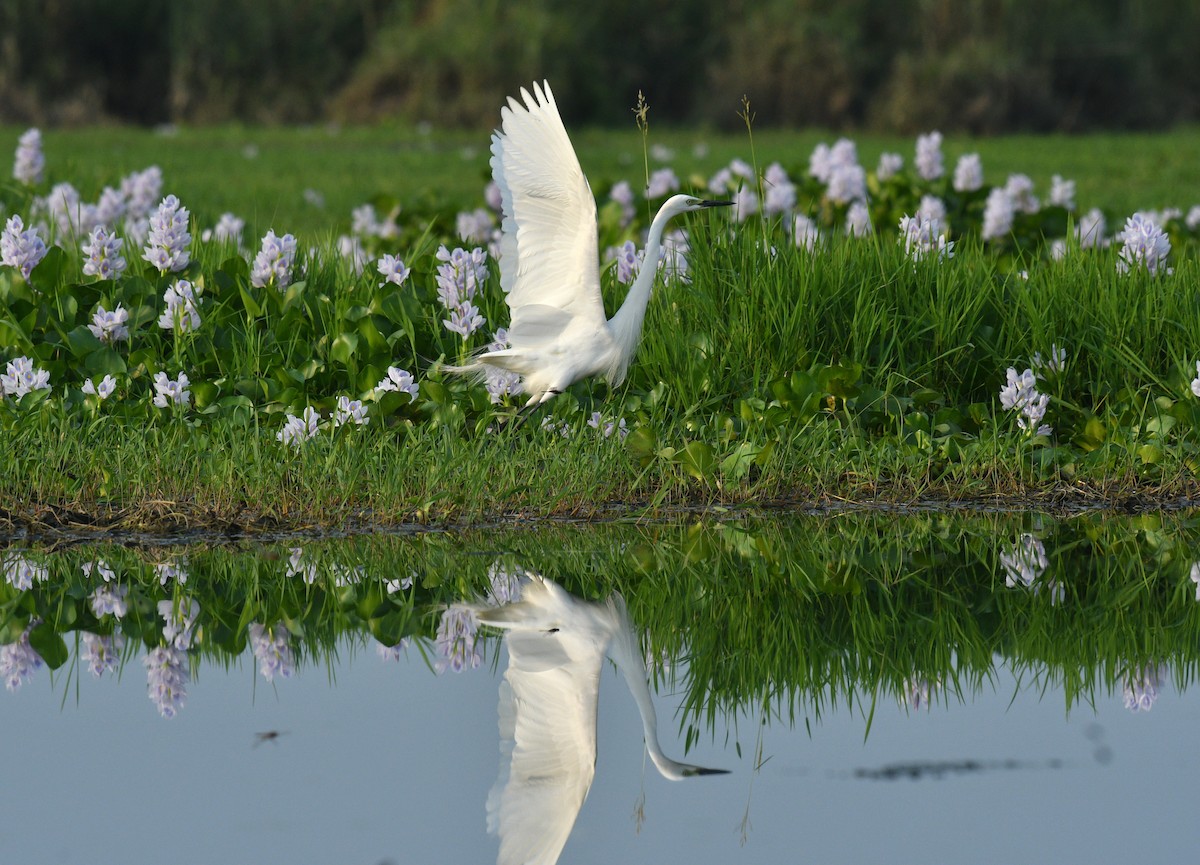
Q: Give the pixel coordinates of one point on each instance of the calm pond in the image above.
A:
(880, 687)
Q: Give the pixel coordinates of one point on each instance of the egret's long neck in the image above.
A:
(626, 324)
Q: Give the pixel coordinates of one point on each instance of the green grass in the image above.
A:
(776, 618)
(773, 375)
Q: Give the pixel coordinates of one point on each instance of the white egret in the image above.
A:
(549, 264)
(556, 646)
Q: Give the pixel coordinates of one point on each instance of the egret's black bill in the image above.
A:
(716, 203)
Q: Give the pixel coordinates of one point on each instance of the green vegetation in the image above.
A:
(774, 374)
(773, 618)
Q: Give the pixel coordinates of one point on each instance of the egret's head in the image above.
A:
(683, 203)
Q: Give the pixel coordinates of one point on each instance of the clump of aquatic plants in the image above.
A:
(802, 323)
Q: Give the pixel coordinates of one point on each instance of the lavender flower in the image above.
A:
(100, 568)
(21, 377)
(29, 164)
(400, 381)
(393, 270)
(721, 182)
(365, 222)
(1062, 192)
(298, 567)
(622, 194)
(1024, 562)
(297, 430)
(392, 653)
(858, 220)
(110, 208)
(456, 640)
(1052, 365)
(629, 261)
(103, 390)
(921, 237)
(109, 600)
(1194, 574)
(168, 238)
(464, 320)
(21, 572)
(101, 653)
(176, 571)
(1020, 192)
(847, 183)
(493, 197)
(929, 156)
(998, 214)
(932, 209)
(805, 232)
(182, 314)
(273, 263)
(662, 182)
(1145, 244)
(351, 248)
(504, 586)
(890, 164)
(109, 327)
(1020, 394)
(917, 693)
(20, 247)
(968, 173)
(69, 213)
(779, 193)
(672, 260)
(103, 251)
(609, 427)
(1141, 688)
(1090, 229)
(475, 226)
(745, 203)
(500, 382)
(19, 661)
(270, 647)
(140, 190)
(166, 679)
(168, 392)
(350, 411)
(227, 230)
(1196, 380)
(179, 622)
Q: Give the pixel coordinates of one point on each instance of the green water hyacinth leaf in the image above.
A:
(643, 445)
(1150, 454)
(745, 456)
(697, 459)
(48, 273)
(104, 361)
(14, 336)
(47, 643)
(344, 347)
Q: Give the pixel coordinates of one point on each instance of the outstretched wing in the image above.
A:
(548, 249)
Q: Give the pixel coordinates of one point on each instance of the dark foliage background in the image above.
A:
(900, 65)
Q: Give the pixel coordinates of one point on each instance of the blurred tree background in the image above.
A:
(899, 65)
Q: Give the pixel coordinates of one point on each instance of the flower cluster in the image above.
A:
(20, 247)
(1050, 366)
(298, 567)
(622, 194)
(103, 251)
(179, 622)
(182, 314)
(500, 382)
(29, 163)
(270, 646)
(1025, 562)
(662, 182)
(166, 679)
(968, 173)
(273, 263)
(169, 392)
(365, 222)
(176, 571)
(921, 237)
(393, 269)
(109, 327)
(597, 421)
(1141, 688)
(1144, 245)
(103, 390)
(456, 640)
(779, 193)
(19, 661)
(628, 258)
(297, 430)
(109, 600)
(458, 278)
(1020, 394)
(998, 215)
(475, 226)
(168, 239)
(399, 381)
(21, 572)
(929, 156)
(350, 411)
(139, 191)
(22, 377)
(227, 230)
(101, 653)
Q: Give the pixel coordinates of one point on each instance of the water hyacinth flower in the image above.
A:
(917, 693)
(109, 600)
(169, 392)
(1091, 228)
(141, 189)
(365, 222)
(745, 203)
(298, 567)
(101, 654)
(458, 278)
(70, 214)
(456, 640)
(998, 213)
(182, 314)
(847, 183)
(890, 164)
(350, 411)
(399, 381)
(1194, 574)
(622, 194)
(167, 242)
(22, 377)
(392, 653)
(100, 568)
(662, 182)
(1140, 689)
(1196, 380)
(227, 230)
(1144, 245)
(109, 327)
(103, 390)
(110, 208)
(561, 429)
(19, 661)
(475, 226)
(297, 430)
(779, 193)
(1019, 188)
(351, 249)
(672, 260)
(176, 571)
(21, 572)
(500, 382)
(273, 263)
(492, 196)
(103, 251)
(179, 622)
(968, 173)
(504, 586)
(393, 269)
(805, 232)
(29, 163)
(1024, 562)
(629, 261)
(20, 247)
(609, 427)
(1052, 365)
(270, 646)
(921, 237)
(1020, 394)
(166, 679)
(1062, 193)
(932, 209)
(858, 220)
(929, 156)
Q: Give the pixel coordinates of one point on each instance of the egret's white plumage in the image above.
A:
(549, 263)
(556, 646)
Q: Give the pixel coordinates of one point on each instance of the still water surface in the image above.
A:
(1026, 751)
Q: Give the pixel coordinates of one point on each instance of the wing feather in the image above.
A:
(548, 246)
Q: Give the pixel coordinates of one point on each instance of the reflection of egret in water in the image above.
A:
(556, 645)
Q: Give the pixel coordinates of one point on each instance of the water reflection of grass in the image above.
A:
(776, 617)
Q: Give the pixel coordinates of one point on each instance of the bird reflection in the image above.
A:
(556, 646)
